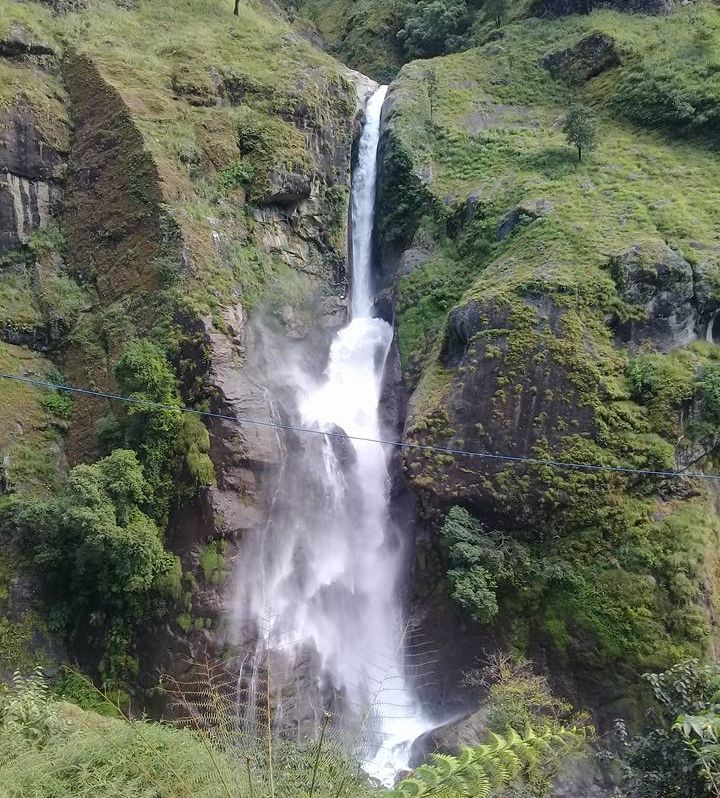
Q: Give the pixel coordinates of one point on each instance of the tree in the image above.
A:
(101, 557)
(236, 9)
(431, 83)
(435, 27)
(497, 9)
(678, 752)
(579, 129)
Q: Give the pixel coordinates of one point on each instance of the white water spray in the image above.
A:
(329, 561)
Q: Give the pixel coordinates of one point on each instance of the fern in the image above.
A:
(476, 772)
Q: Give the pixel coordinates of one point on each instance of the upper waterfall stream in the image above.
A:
(327, 566)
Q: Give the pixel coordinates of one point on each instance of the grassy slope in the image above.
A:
(147, 53)
(81, 753)
(639, 184)
(637, 561)
(156, 56)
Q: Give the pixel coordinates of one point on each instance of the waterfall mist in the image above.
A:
(318, 585)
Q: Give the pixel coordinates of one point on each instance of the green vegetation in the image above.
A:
(434, 27)
(483, 770)
(677, 752)
(172, 446)
(100, 555)
(579, 129)
(49, 748)
(507, 332)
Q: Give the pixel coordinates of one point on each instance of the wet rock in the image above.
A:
(592, 55)
(522, 214)
(450, 737)
(232, 514)
(658, 284)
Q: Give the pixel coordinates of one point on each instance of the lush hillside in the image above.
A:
(558, 309)
(163, 172)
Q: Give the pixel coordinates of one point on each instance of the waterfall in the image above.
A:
(325, 570)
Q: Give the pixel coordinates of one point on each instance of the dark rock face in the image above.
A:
(286, 189)
(522, 214)
(479, 348)
(113, 195)
(591, 56)
(19, 42)
(562, 8)
(30, 189)
(659, 287)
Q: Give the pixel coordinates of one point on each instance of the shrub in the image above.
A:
(677, 753)
(435, 27)
(172, 446)
(100, 556)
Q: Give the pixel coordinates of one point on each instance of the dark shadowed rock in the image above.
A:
(449, 738)
(591, 56)
(286, 188)
(521, 214)
(29, 167)
(19, 42)
(658, 285)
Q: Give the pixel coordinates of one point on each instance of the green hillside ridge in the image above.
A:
(602, 570)
(188, 120)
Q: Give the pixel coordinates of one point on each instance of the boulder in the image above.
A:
(592, 55)
(658, 286)
(286, 188)
(521, 214)
(20, 42)
(194, 88)
(449, 738)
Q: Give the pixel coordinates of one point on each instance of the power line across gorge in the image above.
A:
(576, 466)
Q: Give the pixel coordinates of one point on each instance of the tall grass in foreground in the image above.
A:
(50, 749)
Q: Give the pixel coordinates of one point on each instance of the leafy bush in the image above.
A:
(99, 553)
(435, 27)
(239, 173)
(677, 754)
(25, 710)
(172, 446)
(517, 697)
(477, 563)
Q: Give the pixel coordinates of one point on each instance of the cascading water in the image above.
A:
(326, 568)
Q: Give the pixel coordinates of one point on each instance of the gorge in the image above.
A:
(322, 577)
(218, 214)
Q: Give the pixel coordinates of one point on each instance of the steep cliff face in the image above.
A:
(198, 181)
(551, 310)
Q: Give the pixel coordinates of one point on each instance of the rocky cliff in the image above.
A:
(170, 189)
(549, 310)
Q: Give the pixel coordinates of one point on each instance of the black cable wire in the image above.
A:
(398, 444)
